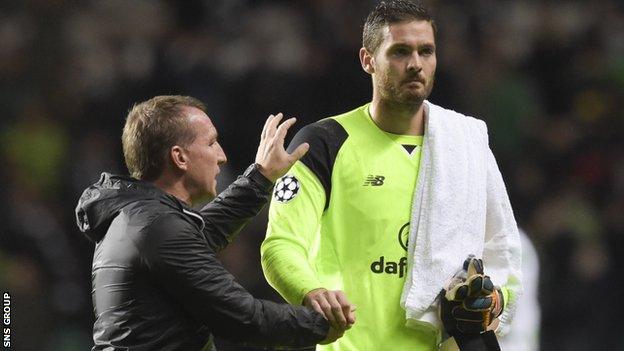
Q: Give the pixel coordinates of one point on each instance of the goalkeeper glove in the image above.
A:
(471, 305)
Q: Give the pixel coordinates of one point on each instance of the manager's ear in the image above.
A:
(179, 158)
(367, 60)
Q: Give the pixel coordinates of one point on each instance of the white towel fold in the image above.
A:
(460, 207)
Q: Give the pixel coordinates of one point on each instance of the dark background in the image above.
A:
(547, 77)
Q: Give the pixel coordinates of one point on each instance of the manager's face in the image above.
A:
(205, 155)
(404, 64)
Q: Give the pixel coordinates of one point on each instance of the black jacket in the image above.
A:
(157, 283)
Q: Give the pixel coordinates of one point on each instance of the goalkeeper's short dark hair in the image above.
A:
(389, 12)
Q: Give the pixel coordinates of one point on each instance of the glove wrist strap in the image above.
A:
(477, 342)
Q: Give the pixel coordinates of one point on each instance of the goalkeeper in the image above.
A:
(339, 221)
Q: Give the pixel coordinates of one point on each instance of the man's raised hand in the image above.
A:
(273, 159)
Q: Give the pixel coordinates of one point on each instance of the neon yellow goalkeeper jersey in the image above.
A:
(340, 220)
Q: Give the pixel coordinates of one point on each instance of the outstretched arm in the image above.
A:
(178, 259)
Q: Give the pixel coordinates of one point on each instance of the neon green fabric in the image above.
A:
(358, 244)
(506, 295)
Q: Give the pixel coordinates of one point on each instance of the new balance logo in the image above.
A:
(372, 180)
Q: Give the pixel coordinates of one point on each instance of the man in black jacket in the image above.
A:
(157, 283)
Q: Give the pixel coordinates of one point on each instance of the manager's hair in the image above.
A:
(152, 128)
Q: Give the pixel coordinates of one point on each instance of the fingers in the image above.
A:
(483, 303)
(265, 128)
(337, 310)
(458, 292)
(479, 285)
(271, 155)
(348, 310)
(299, 152)
(467, 262)
(475, 266)
(283, 128)
(268, 125)
(351, 317)
(334, 305)
(488, 286)
(328, 313)
(475, 285)
(315, 306)
(271, 130)
(316, 299)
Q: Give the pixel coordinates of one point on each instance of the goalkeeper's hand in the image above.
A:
(470, 306)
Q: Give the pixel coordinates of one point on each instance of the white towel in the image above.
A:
(460, 207)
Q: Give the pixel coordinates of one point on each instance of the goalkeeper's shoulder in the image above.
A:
(325, 137)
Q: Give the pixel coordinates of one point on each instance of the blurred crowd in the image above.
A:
(547, 77)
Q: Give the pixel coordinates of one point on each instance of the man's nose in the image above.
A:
(221, 158)
(415, 63)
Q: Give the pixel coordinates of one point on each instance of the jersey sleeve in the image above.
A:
(291, 235)
(296, 211)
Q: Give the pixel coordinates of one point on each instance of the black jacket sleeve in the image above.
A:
(228, 213)
(179, 259)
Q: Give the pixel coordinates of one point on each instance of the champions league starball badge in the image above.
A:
(286, 188)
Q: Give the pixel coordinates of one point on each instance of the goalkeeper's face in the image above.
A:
(405, 62)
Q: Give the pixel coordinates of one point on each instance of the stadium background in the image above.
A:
(547, 76)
